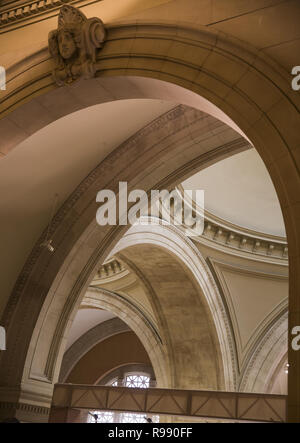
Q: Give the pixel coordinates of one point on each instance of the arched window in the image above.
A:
(137, 381)
(130, 380)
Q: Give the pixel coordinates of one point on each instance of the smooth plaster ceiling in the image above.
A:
(85, 320)
(239, 189)
(55, 160)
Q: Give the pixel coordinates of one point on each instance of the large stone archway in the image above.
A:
(138, 323)
(185, 320)
(176, 277)
(266, 357)
(250, 89)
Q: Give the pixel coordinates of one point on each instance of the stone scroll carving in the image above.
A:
(74, 45)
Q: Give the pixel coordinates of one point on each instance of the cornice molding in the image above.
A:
(110, 269)
(220, 234)
(244, 245)
(27, 408)
(16, 14)
(244, 231)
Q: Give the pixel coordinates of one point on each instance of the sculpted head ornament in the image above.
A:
(74, 45)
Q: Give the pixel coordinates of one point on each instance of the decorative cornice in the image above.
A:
(244, 231)
(218, 232)
(110, 268)
(243, 243)
(25, 407)
(18, 13)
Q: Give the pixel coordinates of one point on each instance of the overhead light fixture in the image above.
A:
(47, 243)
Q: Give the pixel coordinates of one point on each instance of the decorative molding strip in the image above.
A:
(109, 269)
(28, 9)
(25, 407)
(222, 233)
(23, 12)
(244, 231)
(243, 242)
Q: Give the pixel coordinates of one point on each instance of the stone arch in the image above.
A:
(109, 354)
(176, 248)
(87, 341)
(183, 126)
(278, 382)
(266, 357)
(258, 98)
(138, 322)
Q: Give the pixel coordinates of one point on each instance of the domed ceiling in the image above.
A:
(239, 190)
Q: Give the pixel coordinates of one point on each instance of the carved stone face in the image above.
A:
(66, 44)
